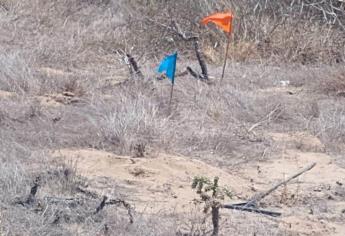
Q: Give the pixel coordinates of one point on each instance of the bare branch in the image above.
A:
(261, 196)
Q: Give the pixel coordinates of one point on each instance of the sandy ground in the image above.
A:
(312, 204)
(162, 182)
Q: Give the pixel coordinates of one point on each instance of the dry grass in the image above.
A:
(334, 85)
(277, 32)
(49, 49)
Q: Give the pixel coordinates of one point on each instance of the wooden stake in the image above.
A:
(226, 56)
(171, 96)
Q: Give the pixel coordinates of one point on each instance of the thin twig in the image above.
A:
(254, 200)
(268, 117)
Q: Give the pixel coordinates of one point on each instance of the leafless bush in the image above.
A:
(278, 31)
(84, 34)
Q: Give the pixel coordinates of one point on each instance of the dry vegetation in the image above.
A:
(64, 84)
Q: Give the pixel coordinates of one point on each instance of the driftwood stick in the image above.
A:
(250, 205)
(253, 201)
(251, 209)
(201, 60)
(133, 67)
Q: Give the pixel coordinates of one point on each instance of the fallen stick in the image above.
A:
(251, 209)
(253, 201)
(250, 206)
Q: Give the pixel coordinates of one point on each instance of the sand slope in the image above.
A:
(313, 204)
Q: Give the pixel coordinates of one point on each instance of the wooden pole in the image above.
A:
(171, 96)
(226, 56)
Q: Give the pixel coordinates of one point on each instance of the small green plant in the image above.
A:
(212, 195)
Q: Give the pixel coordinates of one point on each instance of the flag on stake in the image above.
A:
(168, 65)
(223, 20)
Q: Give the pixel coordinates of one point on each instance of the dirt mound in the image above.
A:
(157, 183)
(312, 204)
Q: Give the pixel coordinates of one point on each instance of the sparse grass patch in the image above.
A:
(330, 125)
(16, 75)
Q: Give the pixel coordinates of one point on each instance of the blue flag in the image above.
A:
(168, 65)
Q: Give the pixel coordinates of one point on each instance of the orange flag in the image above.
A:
(223, 20)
